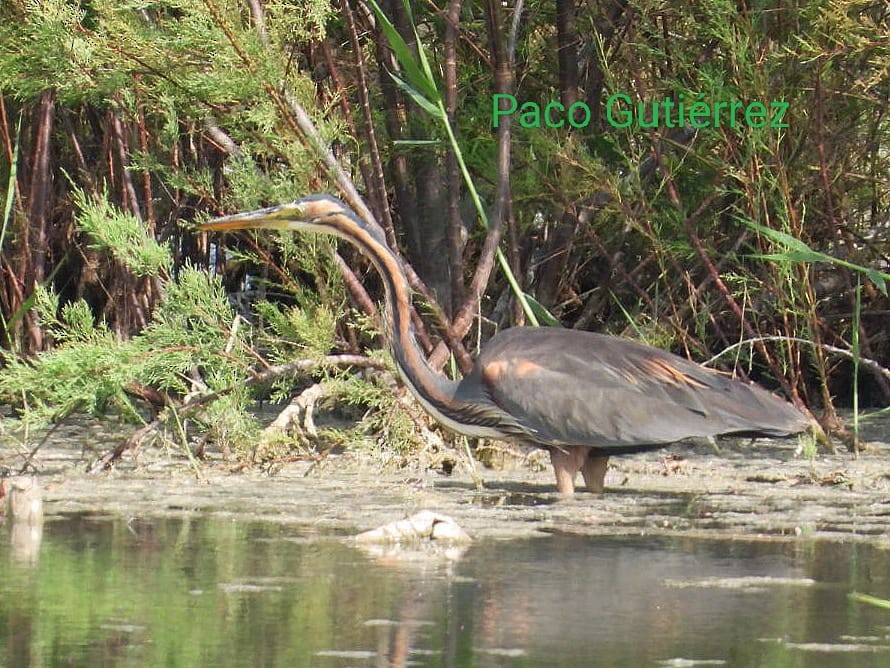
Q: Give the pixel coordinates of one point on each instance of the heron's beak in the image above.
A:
(282, 217)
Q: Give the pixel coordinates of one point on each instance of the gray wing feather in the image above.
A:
(579, 388)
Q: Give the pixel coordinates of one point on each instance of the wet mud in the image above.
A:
(762, 489)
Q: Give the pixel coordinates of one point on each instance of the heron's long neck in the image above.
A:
(427, 385)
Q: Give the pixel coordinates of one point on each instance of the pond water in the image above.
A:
(214, 592)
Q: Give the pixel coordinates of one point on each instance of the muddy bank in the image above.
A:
(761, 489)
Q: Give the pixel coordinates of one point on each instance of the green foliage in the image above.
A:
(178, 64)
(421, 86)
(174, 68)
(63, 59)
(797, 251)
(87, 372)
(229, 424)
(170, 70)
(86, 376)
(306, 332)
(386, 429)
(192, 344)
(92, 53)
(192, 327)
(870, 600)
(122, 235)
(680, 226)
(298, 21)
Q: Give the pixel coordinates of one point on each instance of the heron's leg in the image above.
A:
(567, 461)
(594, 471)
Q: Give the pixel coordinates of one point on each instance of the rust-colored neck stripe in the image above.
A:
(433, 389)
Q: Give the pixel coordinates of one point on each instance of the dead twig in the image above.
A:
(869, 364)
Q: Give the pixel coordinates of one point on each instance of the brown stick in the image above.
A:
(502, 61)
(452, 171)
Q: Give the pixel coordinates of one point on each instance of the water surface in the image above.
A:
(214, 592)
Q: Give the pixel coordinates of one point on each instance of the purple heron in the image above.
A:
(582, 396)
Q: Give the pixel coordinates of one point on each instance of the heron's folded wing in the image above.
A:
(587, 389)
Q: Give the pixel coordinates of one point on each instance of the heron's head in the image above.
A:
(316, 213)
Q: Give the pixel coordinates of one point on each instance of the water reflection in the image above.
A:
(187, 592)
(25, 514)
